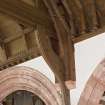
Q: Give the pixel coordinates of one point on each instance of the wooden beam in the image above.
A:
(90, 14)
(65, 42)
(25, 13)
(77, 18)
(48, 53)
(71, 21)
(88, 35)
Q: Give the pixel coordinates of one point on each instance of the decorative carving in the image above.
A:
(19, 58)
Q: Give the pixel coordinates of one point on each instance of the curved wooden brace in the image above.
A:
(65, 42)
(95, 87)
(61, 65)
(24, 78)
(100, 4)
(70, 15)
(75, 7)
(52, 4)
(44, 44)
(90, 14)
(53, 61)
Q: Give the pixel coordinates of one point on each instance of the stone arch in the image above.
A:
(24, 78)
(95, 87)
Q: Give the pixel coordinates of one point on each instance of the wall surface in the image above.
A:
(88, 54)
(40, 65)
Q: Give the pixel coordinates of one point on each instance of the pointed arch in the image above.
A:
(24, 78)
(95, 87)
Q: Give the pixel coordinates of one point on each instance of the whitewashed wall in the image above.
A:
(40, 65)
(88, 54)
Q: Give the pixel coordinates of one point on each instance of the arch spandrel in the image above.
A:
(23, 78)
